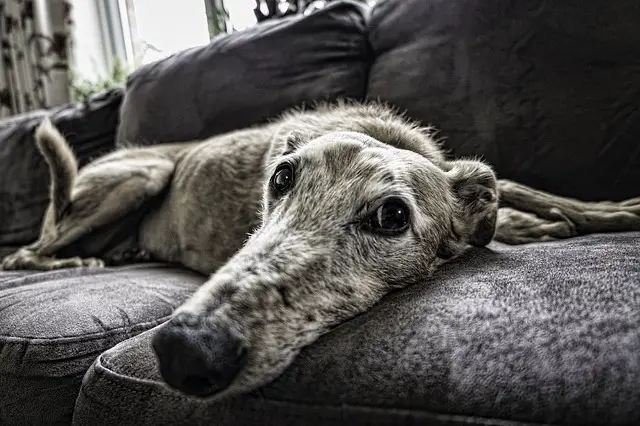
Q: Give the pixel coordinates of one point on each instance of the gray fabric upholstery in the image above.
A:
(54, 324)
(545, 91)
(247, 77)
(539, 89)
(537, 333)
(24, 179)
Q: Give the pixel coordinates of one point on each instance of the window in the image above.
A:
(159, 28)
(131, 33)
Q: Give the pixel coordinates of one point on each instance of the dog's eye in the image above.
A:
(390, 218)
(283, 178)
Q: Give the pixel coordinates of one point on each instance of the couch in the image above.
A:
(549, 333)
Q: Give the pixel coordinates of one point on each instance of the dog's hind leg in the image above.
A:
(26, 258)
(103, 193)
(528, 215)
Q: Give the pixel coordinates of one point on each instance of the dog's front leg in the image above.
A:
(517, 227)
(529, 215)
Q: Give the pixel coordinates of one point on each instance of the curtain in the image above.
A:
(217, 17)
(35, 38)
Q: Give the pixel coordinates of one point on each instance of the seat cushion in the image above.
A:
(542, 333)
(247, 77)
(540, 89)
(54, 324)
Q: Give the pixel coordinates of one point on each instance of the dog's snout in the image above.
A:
(198, 357)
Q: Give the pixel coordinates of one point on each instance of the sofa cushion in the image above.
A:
(54, 324)
(247, 77)
(541, 333)
(546, 92)
(24, 177)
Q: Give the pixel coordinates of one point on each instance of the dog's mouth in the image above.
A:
(243, 327)
(198, 357)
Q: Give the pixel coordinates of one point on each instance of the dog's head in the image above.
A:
(345, 220)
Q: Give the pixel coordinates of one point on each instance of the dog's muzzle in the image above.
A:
(196, 356)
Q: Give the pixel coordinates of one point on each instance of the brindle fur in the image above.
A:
(285, 270)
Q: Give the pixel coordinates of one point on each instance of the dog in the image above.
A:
(301, 223)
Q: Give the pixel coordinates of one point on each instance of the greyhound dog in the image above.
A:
(302, 223)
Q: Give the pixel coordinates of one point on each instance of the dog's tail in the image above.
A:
(63, 166)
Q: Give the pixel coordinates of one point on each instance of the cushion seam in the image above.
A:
(10, 339)
(446, 417)
(116, 379)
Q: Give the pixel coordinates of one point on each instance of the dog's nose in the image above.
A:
(198, 357)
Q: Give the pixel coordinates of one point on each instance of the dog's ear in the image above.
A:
(285, 141)
(293, 141)
(474, 186)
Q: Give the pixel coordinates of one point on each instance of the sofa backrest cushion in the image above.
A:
(248, 77)
(547, 92)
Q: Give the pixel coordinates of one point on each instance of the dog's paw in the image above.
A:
(17, 261)
(126, 257)
(8, 263)
(605, 216)
(92, 262)
(632, 203)
(71, 262)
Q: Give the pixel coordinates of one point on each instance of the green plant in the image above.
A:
(81, 89)
(270, 9)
